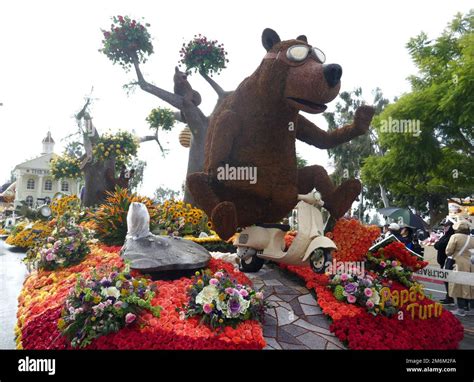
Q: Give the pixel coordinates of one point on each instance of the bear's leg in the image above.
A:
(336, 200)
(222, 214)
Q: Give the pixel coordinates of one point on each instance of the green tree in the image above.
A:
(422, 168)
(163, 193)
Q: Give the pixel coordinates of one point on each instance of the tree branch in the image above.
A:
(171, 98)
(148, 138)
(220, 92)
(177, 116)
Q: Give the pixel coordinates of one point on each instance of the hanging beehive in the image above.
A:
(185, 137)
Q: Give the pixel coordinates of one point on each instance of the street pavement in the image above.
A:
(12, 274)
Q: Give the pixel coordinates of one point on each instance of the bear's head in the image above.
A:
(305, 81)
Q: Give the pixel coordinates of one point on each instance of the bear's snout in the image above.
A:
(332, 73)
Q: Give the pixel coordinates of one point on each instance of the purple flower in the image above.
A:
(234, 306)
(350, 288)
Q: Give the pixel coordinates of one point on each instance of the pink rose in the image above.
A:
(229, 291)
(369, 304)
(344, 277)
(368, 292)
(207, 308)
(213, 281)
(50, 257)
(394, 263)
(244, 293)
(129, 318)
(351, 299)
(383, 264)
(219, 275)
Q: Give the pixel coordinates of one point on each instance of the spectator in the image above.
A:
(441, 257)
(458, 248)
(394, 229)
(406, 237)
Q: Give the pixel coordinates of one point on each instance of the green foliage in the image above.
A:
(203, 55)
(126, 40)
(161, 117)
(300, 161)
(65, 166)
(163, 193)
(423, 170)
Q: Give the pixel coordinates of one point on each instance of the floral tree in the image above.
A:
(103, 161)
(128, 43)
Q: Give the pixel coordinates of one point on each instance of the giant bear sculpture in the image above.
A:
(256, 126)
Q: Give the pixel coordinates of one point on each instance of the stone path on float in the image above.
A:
(295, 321)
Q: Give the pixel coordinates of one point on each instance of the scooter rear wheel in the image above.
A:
(318, 259)
(251, 264)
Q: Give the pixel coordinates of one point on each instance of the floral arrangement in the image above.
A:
(127, 39)
(44, 294)
(110, 219)
(180, 219)
(353, 239)
(356, 325)
(27, 235)
(65, 204)
(362, 290)
(161, 117)
(203, 55)
(104, 304)
(221, 301)
(66, 246)
(122, 146)
(397, 251)
(65, 166)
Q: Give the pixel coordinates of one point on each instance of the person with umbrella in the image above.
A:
(441, 257)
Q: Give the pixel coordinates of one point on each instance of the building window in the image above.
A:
(29, 201)
(48, 185)
(64, 186)
(30, 185)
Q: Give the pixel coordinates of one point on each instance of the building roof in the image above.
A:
(41, 162)
(48, 138)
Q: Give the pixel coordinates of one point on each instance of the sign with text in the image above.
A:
(437, 274)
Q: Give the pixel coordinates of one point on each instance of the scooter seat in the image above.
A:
(283, 227)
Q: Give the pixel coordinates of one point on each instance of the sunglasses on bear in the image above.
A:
(299, 53)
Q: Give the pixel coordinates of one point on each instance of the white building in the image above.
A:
(34, 183)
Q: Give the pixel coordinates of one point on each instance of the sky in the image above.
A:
(50, 60)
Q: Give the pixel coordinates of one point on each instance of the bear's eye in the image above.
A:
(297, 52)
(319, 55)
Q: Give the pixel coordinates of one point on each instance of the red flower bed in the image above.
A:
(44, 293)
(359, 330)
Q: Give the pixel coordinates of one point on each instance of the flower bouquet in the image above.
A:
(66, 246)
(203, 55)
(105, 304)
(360, 290)
(221, 301)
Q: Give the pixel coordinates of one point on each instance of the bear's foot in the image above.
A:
(224, 219)
(340, 201)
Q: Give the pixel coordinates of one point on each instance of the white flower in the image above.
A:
(110, 292)
(375, 297)
(207, 295)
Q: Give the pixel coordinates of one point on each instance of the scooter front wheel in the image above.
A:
(251, 264)
(318, 259)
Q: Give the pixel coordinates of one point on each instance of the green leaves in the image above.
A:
(161, 117)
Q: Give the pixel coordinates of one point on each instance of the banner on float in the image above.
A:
(443, 275)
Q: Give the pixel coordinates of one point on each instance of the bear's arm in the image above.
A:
(308, 132)
(222, 138)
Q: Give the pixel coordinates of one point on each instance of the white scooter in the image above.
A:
(267, 241)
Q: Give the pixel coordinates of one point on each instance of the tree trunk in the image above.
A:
(97, 181)
(383, 194)
(195, 158)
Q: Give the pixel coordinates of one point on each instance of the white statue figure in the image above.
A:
(138, 221)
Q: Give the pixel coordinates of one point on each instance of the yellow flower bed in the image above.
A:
(26, 237)
(60, 206)
(178, 217)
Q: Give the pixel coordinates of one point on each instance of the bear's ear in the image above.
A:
(176, 69)
(302, 38)
(269, 38)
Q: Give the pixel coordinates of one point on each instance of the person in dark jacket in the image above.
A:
(440, 246)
